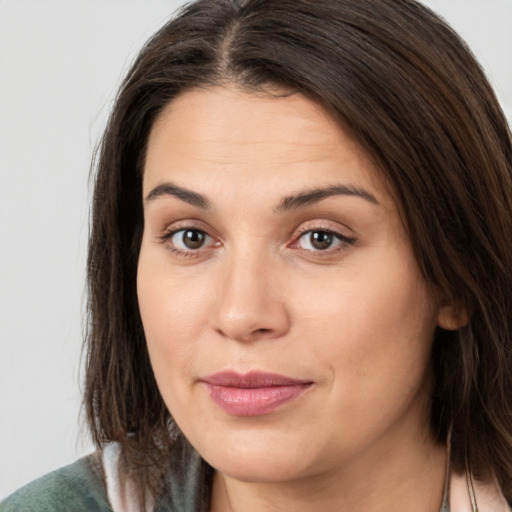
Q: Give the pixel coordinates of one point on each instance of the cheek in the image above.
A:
(367, 304)
(373, 330)
(173, 311)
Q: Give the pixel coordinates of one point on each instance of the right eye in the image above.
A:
(189, 239)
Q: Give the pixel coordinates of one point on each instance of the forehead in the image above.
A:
(275, 139)
(226, 115)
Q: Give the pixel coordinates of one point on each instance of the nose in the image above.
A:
(251, 302)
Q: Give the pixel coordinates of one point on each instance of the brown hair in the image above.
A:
(410, 92)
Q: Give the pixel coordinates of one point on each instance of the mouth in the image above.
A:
(253, 393)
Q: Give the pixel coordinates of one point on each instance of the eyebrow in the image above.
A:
(287, 203)
(314, 196)
(170, 189)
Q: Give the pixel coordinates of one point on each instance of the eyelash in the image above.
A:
(343, 240)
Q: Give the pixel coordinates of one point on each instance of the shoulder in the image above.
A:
(186, 486)
(77, 487)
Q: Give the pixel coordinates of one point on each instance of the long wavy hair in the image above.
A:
(408, 89)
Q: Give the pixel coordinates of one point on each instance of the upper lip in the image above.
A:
(253, 379)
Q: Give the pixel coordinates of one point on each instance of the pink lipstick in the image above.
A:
(254, 393)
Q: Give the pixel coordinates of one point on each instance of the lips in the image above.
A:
(254, 393)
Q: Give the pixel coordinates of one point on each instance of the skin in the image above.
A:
(356, 319)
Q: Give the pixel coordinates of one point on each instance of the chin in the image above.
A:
(260, 458)
(259, 469)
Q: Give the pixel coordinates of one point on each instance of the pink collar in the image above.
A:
(470, 495)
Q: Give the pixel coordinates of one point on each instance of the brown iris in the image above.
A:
(321, 240)
(193, 239)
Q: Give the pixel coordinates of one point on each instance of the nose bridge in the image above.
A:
(249, 305)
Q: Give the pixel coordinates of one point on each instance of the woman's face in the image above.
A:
(288, 325)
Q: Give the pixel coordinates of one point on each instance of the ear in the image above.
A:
(452, 317)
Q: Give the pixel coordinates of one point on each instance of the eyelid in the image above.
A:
(167, 229)
(335, 228)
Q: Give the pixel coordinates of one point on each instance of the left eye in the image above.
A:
(319, 240)
(189, 239)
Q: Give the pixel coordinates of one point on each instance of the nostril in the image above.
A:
(259, 334)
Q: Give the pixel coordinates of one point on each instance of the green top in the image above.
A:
(80, 487)
(76, 487)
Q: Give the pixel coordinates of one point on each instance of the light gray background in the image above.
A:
(60, 64)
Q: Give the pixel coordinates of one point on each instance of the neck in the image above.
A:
(408, 477)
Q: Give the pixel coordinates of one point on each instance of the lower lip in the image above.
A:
(254, 401)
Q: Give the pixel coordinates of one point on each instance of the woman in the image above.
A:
(299, 270)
